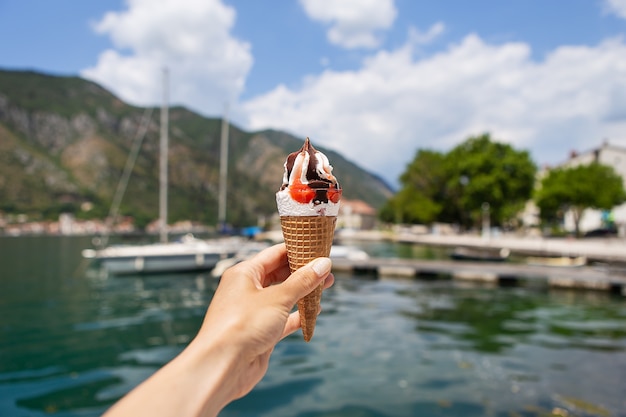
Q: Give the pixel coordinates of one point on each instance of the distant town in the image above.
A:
(354, 214)
(68, 225)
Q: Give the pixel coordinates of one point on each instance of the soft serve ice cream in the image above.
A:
(308, 204)
(309, 186)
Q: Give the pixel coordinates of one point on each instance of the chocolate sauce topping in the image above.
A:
(315, 181)
(308, 181)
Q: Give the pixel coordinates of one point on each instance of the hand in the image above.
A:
(250, 313)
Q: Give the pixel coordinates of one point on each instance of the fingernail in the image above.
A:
(322, 266)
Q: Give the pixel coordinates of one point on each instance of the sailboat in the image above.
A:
(184, 255)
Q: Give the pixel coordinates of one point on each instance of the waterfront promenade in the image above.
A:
(611, 250)
(598, 278)
(606, 269)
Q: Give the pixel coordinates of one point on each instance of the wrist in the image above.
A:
(210, 367)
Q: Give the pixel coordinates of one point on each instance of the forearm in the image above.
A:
(195, 383)
(249, 313)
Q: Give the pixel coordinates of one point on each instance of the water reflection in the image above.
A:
(100, 343)
(406, 348)
(72, 344)
(495, 320)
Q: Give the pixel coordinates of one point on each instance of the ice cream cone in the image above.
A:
(307, 238)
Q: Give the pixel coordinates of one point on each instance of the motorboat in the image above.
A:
(557, 261)
(185, 255)
(251, 249)
(348, 252)
(480, 254)
(246, 251)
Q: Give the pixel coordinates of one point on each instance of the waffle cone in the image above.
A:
(307, 238)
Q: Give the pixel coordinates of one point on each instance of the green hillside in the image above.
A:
(64, 142)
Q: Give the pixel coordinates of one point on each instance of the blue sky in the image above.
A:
(373, 79)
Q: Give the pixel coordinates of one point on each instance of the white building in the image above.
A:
(606, 154)
(356, 215)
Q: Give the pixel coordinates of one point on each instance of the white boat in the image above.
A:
(185, 255)
(250, 249)
(245, 251)
(348, 252)
(480, 254)
(557, 261)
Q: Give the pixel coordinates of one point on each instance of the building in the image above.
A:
(356, 215)
(606, 154)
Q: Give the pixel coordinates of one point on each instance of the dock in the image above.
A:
(597, 278)
(606, 250)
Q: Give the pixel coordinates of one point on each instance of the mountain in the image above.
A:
(64, 142)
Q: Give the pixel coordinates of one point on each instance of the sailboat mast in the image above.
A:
(163, 161)
(221, 213)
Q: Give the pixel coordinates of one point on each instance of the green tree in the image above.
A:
(452, 187)
(419, 199)
(483, 171)
(577, 188)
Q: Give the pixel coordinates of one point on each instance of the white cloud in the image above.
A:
(421, 38)
(617, 7)
(379, 115)
(191, 37)
(353, 23)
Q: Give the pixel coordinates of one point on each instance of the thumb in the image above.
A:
(305, 280)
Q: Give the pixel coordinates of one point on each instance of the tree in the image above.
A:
(453, 187)
(418, 201)
(577, 188)
(482, 171)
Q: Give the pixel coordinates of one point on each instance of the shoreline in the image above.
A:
(610, 250)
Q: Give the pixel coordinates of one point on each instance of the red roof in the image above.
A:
(357, 207)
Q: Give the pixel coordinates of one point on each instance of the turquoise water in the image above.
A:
(72, 342)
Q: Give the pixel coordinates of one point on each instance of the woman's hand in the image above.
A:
(250, 313)
(251, 310)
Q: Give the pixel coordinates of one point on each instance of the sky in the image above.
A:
(375, 80)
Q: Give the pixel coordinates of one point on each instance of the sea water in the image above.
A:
(73, 341)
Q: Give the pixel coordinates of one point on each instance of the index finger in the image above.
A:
(273, 264)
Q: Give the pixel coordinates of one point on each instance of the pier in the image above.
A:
(599, 278)
(606, 250)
